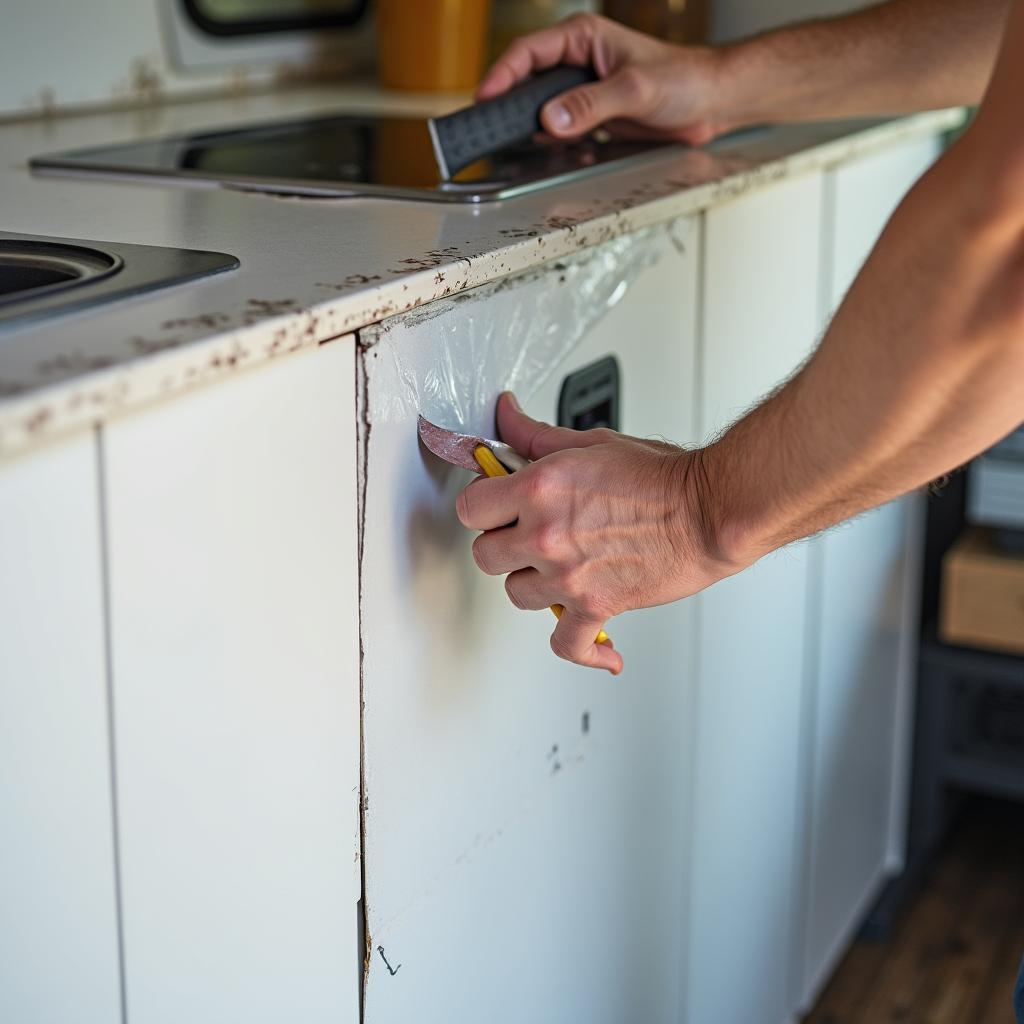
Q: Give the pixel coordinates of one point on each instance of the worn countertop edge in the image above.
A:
(52, 411)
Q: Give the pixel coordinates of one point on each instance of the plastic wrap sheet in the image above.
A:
(506, 336)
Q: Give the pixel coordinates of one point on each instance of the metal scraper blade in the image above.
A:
(459, 449)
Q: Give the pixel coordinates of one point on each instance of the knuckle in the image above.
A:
(561, 647)
(582, 104)
(603, 435)
(511, 589)
(584, 20)
(572, 585)
(480, 556)
(516, 52)
(634, 85)
(518, 57)
(576, 592)
(547, 540)
(589, 605)
(535, 434)
(543, 430)
(462, 507)
(594, 24)
(538, 484)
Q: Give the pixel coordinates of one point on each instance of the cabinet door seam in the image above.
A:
(108, 660)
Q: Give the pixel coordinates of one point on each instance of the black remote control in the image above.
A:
(471, 133)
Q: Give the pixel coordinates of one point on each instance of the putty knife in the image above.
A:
(464, 137)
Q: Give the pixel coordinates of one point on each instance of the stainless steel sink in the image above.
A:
(30, 269)
(42, 276)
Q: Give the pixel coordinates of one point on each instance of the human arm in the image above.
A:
(892, 58)
(923, 364)
(921, 368)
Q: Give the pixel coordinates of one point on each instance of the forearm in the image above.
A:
(922, 366)
(896, 57)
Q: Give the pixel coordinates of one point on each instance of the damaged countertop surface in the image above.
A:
(314, 268)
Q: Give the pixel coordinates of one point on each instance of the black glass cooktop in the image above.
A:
(347, 155)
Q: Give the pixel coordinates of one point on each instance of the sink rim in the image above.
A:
(143, 269)
(80, 264)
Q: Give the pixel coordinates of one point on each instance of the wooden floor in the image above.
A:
(954, 957)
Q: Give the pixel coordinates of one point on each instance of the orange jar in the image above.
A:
(432, 45)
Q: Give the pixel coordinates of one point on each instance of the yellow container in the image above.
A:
(432, 45)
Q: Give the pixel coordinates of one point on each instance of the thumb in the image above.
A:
(534, 438)
(584, 108)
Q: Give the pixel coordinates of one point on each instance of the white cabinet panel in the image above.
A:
(761, 293)
(760, 321)
(860, 634)
(861, 196)
(232, 532)
(58, 902)
(867, 620)
(526, 819)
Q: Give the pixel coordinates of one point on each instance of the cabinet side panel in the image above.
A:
(861, 621)
(232, 526)
(526, 818)
(58, 923)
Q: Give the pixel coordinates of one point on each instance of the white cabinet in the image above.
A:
(525, 818)
(860, 197)
(695, 840)
(58, 906)
(234, 658)
(866, 625)
(760, 320)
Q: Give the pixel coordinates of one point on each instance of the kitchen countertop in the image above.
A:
(315, 268)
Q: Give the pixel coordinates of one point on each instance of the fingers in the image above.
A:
(573, 640)
(535, 439)
(566, 43)
(580, 110)
(525, 589)
(497, 552)
(487, 504)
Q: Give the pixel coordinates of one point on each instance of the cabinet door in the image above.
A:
(526, 818)
(58, 902)
(867, 621)
(761, 306)
(232, 524)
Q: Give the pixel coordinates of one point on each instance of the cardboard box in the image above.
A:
(982, 595)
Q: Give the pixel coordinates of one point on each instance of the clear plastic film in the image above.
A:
(451, 359)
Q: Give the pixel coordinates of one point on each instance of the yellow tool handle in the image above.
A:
(489, 463)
